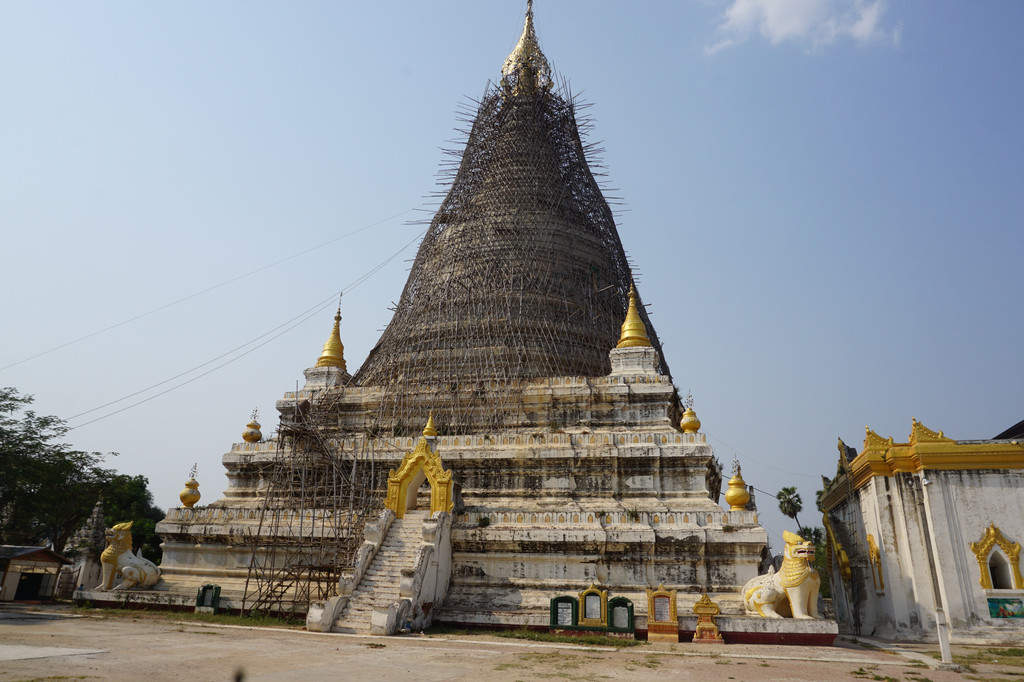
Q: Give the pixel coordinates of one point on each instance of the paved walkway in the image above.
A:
(39, 645)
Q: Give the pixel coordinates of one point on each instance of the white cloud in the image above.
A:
(812, 23)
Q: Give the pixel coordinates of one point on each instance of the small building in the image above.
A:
(933, 524)
(28, 573)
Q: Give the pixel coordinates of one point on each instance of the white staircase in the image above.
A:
(379, 586)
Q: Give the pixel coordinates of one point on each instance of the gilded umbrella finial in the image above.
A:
(526, 67)
(333, 354)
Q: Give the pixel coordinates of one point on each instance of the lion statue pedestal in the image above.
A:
(793, 591)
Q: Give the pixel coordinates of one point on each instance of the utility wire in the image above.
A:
(309, 313)
(324, 305)
(745, 456)
(204, 291)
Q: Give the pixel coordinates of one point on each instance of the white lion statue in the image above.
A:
(135, 570)
(793, 591)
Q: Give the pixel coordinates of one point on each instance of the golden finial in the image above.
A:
(190, 495)
(334, 352)
(526, 68)
(737, 496)
(429, 431)
(689, 423)
(634, 333)
(252, 433)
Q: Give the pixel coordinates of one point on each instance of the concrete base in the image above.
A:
(755, 630)
(138, 599)
(734, 629)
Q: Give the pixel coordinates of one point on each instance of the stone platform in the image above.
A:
(157, 600)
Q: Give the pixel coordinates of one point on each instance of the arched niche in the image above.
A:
(993, 551)
(422, 464)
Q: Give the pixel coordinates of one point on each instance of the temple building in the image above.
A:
(928, 532)
(514, 435)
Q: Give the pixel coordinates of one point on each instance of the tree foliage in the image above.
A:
(48, 489)
(790, 503)
(127, 498)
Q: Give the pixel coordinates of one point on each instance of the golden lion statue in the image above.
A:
(135, 570)
(793, 591)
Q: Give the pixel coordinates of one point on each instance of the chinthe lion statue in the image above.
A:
(793, 591)
(135, 570)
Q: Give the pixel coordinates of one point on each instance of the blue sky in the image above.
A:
(823, 199)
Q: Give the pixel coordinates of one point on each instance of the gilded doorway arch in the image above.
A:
(419, 465)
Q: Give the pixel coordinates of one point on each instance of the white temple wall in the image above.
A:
(953, 510)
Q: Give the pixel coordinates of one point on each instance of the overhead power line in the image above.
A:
(203, 291)
(280, 330)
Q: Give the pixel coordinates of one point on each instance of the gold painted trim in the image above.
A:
(875, 559)
(925, 450)
(429, 461)
(983, 549)
(662, 592)
(601, 622)
(835, 551)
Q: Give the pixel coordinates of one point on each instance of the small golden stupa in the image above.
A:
(429, 431)
(634, 332)
(333, 354)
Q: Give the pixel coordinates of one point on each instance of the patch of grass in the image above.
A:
(919, 679)
(60, 677)
(254, 620)
(538, 636)
(650, 661)
(559, 660)
(374, 645)
(1011, 656)
(508, 666)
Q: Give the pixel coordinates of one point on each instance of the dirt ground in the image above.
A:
(49, 644)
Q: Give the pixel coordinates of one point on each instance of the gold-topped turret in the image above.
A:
(429, 431)
(526, 68)
(634, 332)
(333, 354)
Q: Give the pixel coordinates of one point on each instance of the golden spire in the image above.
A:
(526, 68)
(429, 431)
(634, 333)
(334, 352)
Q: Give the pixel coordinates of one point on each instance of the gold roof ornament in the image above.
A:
(333, 354)
(429, 431)
(634, 332)
(526, 68)
(737, 496)
(190, 494)
(252, 433)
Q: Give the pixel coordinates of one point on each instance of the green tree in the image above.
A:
(47, 489)
(790, 503)
(128, 498)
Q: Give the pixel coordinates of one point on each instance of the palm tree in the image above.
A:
(790, 503)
